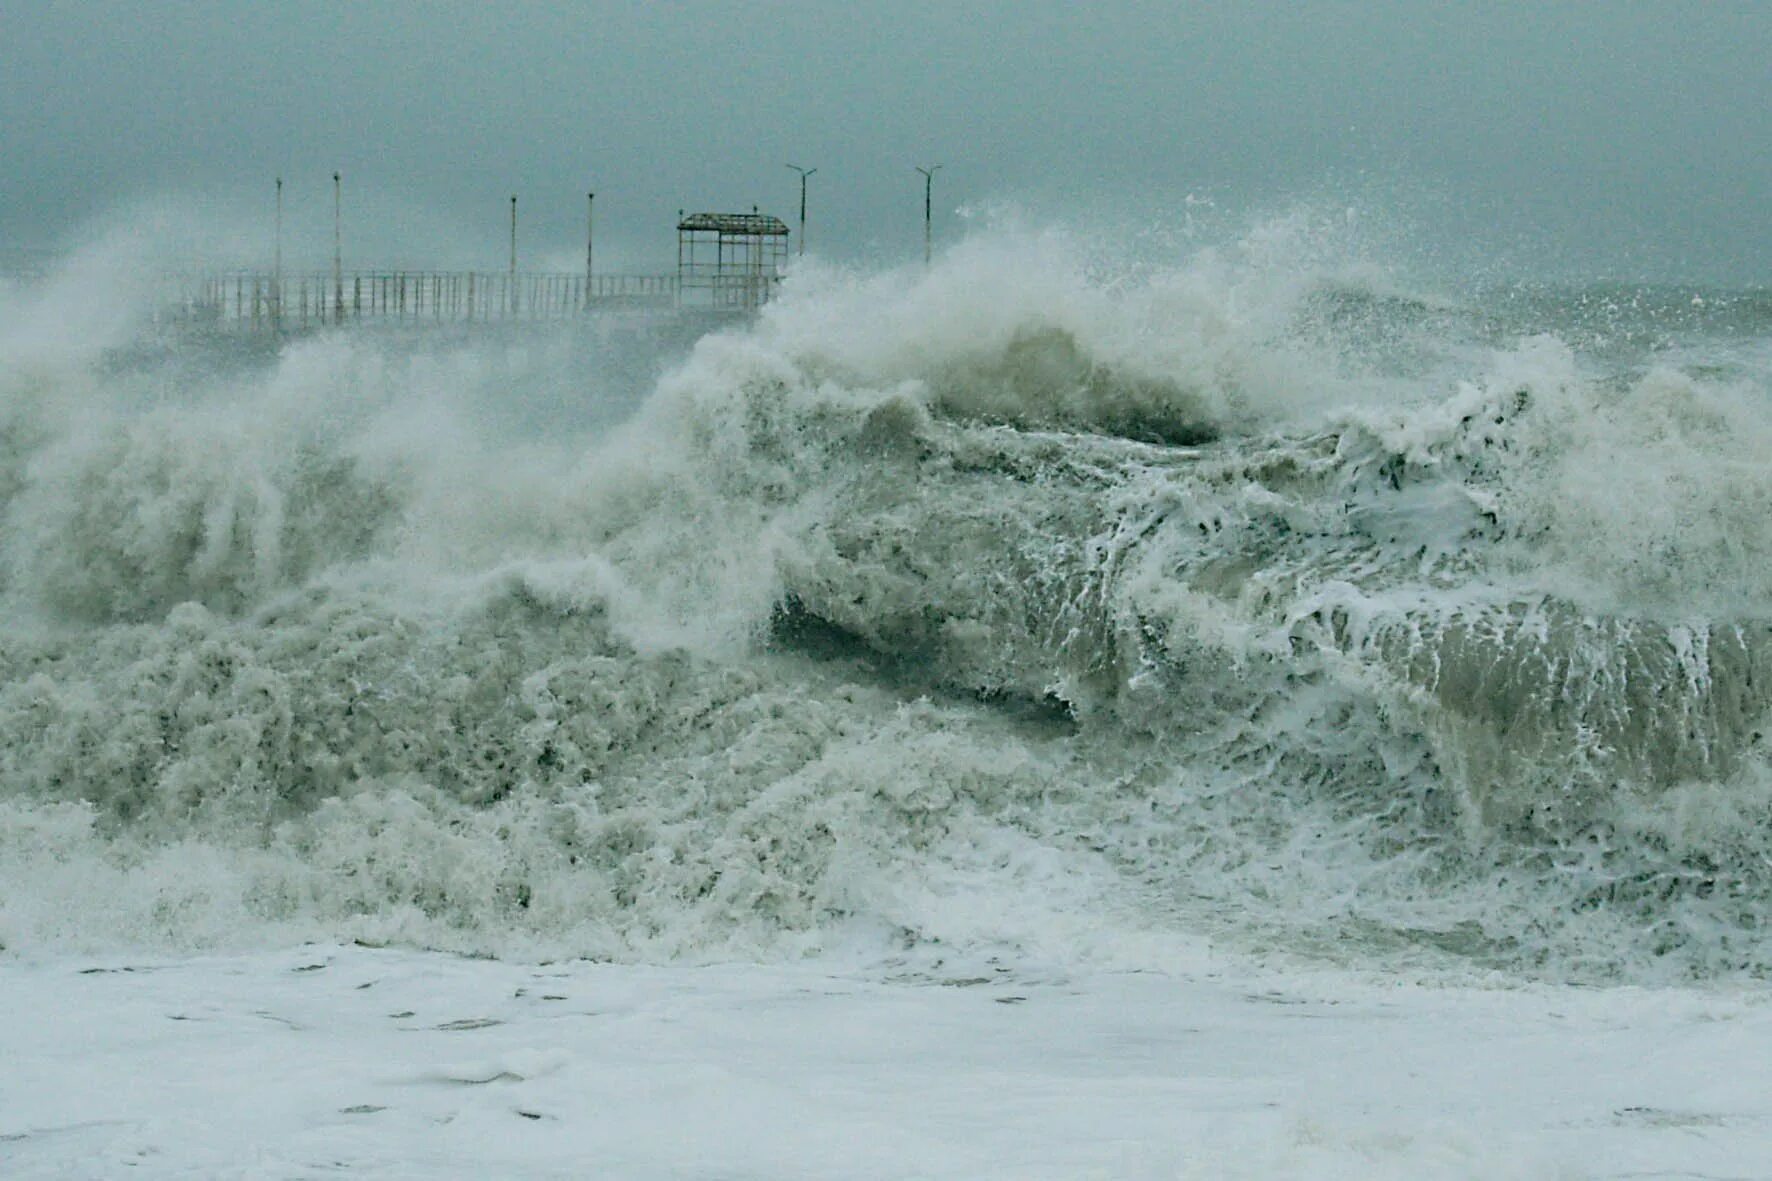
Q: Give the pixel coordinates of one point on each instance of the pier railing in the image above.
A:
(316, 298)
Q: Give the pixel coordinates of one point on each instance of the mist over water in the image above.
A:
(1041, 605)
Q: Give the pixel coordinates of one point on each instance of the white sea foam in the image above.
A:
(929, 610)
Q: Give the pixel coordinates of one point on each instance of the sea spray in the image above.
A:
(927, 609)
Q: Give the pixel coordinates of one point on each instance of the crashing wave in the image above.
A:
(937, 606)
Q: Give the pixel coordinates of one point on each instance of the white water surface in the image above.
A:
(332, 1060)
(1250, 715)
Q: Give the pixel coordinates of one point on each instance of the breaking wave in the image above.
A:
(1005, 608)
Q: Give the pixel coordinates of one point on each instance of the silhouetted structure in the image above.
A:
(729, 260)
(309, 299)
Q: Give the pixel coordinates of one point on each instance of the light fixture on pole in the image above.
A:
(928, 186)
(338, 271)
(590, 237)
(804, 173)
(277, 265)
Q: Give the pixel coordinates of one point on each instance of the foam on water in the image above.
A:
(1009, 608)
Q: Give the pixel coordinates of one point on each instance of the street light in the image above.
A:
(338, 272)
(804, 173)
(928, 185)
(277, 266)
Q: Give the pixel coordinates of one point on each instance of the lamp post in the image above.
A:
(277, 266)
(804, 173)
(590, 239)
(928, 187)
(513, 300)
(338, 272)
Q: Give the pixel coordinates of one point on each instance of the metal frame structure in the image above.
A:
(729, 261)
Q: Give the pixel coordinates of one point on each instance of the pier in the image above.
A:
(301, 300)
(725, 262)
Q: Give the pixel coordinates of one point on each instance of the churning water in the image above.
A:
(1019, 607)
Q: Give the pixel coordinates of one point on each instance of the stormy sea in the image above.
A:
(1038, 715)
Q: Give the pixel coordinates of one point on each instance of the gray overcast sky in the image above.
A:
(1627, 139)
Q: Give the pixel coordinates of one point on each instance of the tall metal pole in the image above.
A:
(804, 173)
(513, 254)
(338, 271)
(590, 238)
(277, 267)
(928, 186)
